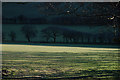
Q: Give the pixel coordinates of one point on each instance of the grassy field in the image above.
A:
(60, 62)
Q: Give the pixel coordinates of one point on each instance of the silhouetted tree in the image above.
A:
(46, 34)
(67, 35)
(76, 35)
(88, 37)
(29, 32)
(12, 35)
(3, 36)
(82, 37)
(101, 37)
(71, 35)
(51, 32)
(94, 39)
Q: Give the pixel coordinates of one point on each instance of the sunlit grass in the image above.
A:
(54, 61)
(31, 48)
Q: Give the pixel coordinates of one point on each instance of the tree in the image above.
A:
(51, 32)
(88, 37)
(46, 34)
(29, 32)
(75, 36)
(71, 35)
(101, 37)
(82, 37)
(94, 38)
(3, 36)
(12, 35)
(66, 35)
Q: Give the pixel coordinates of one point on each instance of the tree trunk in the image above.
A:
(54, 39)
(12, 39)
(88, 40)
(82, 39)
(94, 40)
(28, 38)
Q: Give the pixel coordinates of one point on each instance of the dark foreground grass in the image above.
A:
(61, 65)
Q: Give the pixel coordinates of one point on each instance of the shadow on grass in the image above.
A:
(88, 75)
(92, 45)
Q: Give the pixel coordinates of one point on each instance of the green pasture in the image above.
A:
(59, 62)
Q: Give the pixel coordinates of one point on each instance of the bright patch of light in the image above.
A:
(68, 11)
(111, 17)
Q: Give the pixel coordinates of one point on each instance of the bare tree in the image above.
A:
(94, 38)
(76, 35)
(46, 34)
(51, 32)
(12, 35)
(67, 35)
(3, 36)
(71, 35)
(101, 37)
(29, 32)
(88, 37)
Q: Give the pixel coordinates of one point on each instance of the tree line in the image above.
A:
(21, 19)
(62, 20)
(53, 33)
